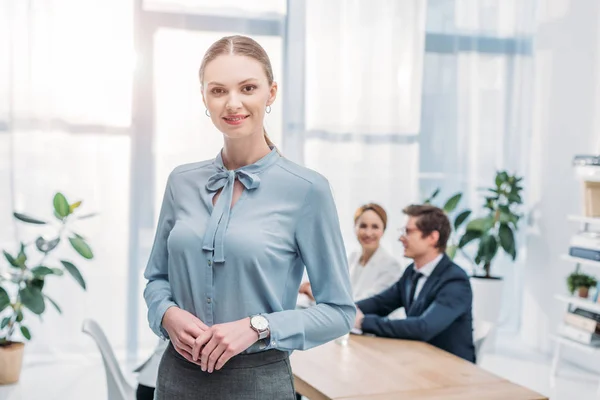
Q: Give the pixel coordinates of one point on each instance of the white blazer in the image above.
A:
(381, 271)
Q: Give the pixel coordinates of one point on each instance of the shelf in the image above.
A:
(578, 301)
(582, 261)
(572, 343)
(581, 218)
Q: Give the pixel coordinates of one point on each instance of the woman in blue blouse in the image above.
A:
(233, 238)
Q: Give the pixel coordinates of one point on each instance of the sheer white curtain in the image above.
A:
(477, 108)
(65, 84)
(362, 100)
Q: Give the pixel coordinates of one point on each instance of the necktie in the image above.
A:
(217, 225)
(413, 286)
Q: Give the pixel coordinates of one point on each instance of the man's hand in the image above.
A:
(306, 289)
(215, 346)
(183, 329)
(359, 319)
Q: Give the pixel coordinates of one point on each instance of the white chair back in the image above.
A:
(481, 331)
(118, 386)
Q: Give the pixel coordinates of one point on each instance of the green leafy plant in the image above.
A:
(457, 218)
(496, 228)
(22, 286)
(578, 279)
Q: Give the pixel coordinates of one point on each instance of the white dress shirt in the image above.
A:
(426, 271)
(381, 271)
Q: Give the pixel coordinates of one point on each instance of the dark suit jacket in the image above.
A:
(440, 315)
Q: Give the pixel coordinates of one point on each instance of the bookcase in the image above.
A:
(575, 302)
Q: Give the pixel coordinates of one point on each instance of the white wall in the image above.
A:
(566, 122)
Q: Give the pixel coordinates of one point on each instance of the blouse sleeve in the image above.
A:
(158, 290)
(321, 248)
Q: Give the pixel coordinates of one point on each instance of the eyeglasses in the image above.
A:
(405, 231)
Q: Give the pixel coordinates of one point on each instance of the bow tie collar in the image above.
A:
(224, 179)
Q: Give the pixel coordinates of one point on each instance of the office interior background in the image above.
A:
(390, 100)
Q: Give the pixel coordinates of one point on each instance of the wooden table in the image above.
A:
(391, 369)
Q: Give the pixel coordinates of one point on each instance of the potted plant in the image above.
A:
(22, 281)
(581, 283)
(495, 229)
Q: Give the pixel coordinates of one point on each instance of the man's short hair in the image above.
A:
(429, 219)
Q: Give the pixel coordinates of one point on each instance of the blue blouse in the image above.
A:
(224, 264)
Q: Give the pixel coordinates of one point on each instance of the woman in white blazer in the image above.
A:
(372, 268)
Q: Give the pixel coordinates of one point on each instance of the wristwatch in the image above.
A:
(261, 325)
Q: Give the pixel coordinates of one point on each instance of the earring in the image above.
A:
(268, 110)
(206, 112)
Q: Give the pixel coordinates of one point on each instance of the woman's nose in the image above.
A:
(233, 102)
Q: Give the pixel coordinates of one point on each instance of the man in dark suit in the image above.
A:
(435, 293)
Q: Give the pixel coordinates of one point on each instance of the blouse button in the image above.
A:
(209, 263)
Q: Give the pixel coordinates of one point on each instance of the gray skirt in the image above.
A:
(263, 375)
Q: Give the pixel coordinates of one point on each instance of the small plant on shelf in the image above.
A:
(581, 283)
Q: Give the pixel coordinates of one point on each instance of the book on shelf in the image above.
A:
(582, 322)
(586, 314)
(579, 335)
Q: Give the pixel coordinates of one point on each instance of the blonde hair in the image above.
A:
(242, 46)
(376, 208)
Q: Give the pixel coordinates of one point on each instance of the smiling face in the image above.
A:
(236, 92)
(369, 230)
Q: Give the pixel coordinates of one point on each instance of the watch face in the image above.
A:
(259, 322)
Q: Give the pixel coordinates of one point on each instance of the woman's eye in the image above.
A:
(248, 88)
(218, 91)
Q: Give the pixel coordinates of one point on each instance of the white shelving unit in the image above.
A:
(579, 302)
(579, 260)
(585, 220)
(574, 301)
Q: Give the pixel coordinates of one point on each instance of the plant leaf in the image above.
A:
(57, 271)
(10, 259)
(515, 198)
(41, 271)
(461, 218)
(32, 298)
(467, 237)
(61, 206)
(85, 216)
(451, 251)
(452, 203)
(19, 316)
(37, 283)
(5, 322)
(480, 224)
(81, 247)
(22, 257)
(74, 273)
(73, 206)
(25, 332)
(501, 177)
(488, 247)
(54, 304)
(4, 299)
(28, 219)
(507, 240)
(46, 246)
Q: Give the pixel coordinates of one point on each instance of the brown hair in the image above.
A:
(430, 219)
(376, 208)
(242, 46)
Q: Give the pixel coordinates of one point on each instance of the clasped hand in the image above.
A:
(209, 347)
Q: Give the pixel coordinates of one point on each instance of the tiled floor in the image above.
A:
(84, 380)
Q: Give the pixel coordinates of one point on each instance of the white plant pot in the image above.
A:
(487, 299)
